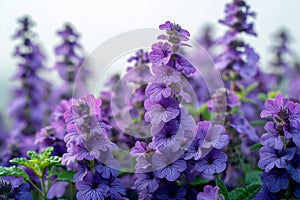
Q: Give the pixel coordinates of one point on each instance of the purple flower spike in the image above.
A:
(165, 74)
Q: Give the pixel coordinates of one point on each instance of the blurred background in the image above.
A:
(98, 21)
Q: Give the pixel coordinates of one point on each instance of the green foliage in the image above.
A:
(62, 174)
(253, 177)
(205, 114)
(199, 181)
(38, 163)
(255, 146)
(13, 171)
(245, 193)
(223, 189)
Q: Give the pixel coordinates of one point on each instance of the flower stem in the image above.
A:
(35, 187)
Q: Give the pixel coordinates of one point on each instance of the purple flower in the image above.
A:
(146, 181)
(116, 189)
(170, 136)
(269, 158)
(57, 190)
(265, 194)
(160, 54)
(181, 64)
(107, 165)
(165, 74)
(170, 191)
(139, 148)
(172, 27)
(210, 193)
(272, 138)
(163, 111)
(214, 162)
(92, 187)
(275, 107)
(157, 91)
(13, 188)
(168, 164)
(276, 179)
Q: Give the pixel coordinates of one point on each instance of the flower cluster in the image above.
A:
(69, 64)
(239, 60)
(28, 108)
(90, 151)
(279, 155)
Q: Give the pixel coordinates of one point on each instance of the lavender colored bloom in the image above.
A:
(139, 148)
(170, 191)
(275, 106)
(170, 136)
(269, 158)
(214, 162)
(146, 181)
(163, 111)
(157, 91)
(57, 190)
(92, 187)
(276, 180)
(272, 138)
(168, 164)
(173, 28)
(116, 189)
(160, 54)
(107, 165)
(165, 74)
(210, 193)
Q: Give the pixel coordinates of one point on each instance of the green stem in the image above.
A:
(35, 187)
(44, 188)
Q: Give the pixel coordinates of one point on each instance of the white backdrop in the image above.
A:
(99, 20)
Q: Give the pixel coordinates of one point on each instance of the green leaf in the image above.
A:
(244, 193)
(46, 153)
(238, 194)
(258, 123)
(13, 171)
(223, 189)
(262, 96)
(33, 165)
(252, 190)
(272, 94)
(63, 175)
(204, 112)
(251, 87)
(199, 181)
(255, 146)
(253, 177)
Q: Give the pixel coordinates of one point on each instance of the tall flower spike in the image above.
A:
(238, 61)
(279, 157)
(28, 108)
(68, 64)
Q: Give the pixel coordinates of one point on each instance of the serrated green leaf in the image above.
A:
(13, 171)
(46, 153)
(223, 189)
(33, 155)
(33, 165)
(253, 177)
(255, 146)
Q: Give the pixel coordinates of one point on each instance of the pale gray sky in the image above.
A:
(99, 20)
